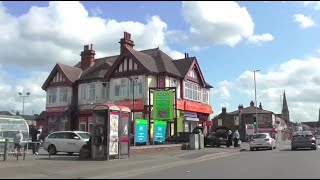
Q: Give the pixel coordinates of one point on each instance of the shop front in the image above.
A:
(85, 122)
(191, 121)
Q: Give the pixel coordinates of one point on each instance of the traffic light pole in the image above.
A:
(255, 96)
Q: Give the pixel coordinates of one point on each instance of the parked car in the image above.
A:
(180, 137)
(303, 139)
(65, 141)
(318, 136)
(218, 137)
(262, 140)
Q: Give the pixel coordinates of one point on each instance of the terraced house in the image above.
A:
(71, 90)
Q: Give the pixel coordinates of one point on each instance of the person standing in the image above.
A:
(236, 138)
(17, 140)
(229, 138)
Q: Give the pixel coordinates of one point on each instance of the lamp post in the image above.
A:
(255, 96)
(132, 80)
(23, 96)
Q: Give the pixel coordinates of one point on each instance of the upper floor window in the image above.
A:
(120, 89)
(83, 91)
(52, 95)
(192, 91)
(205, 96)
(63, 94)
(92, 90)
(105, 90)
(137, 88)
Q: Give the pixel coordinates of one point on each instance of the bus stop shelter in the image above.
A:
(9, 126)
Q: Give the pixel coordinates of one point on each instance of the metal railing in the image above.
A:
(7, 149)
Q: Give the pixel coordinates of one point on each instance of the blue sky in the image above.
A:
(279, 38)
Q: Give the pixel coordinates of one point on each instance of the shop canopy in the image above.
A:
(9, 126)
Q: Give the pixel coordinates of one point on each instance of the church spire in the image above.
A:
(285, 109)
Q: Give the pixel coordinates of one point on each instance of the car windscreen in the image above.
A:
(84, 135)
(259, 136)
(302, 133)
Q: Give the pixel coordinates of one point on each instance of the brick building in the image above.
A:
(71, 90)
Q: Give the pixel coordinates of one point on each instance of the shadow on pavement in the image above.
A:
(296, 150)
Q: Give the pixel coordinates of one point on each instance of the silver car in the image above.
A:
(262, 140)
(303, 139)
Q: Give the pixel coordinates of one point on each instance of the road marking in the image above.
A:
(136, 172)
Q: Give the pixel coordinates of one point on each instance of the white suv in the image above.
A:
(65, 141)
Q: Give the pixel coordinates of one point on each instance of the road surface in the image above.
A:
(280, 163)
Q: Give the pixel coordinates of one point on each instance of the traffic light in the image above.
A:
(254, 121)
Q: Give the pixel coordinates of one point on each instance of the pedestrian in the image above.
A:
(36, 142)
(229, 138)
(236, 138)
(17, 140)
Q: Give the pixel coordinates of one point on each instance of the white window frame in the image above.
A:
(63, 94)
(52, 95)
(192, 91)
(173, 83)
(105, 90)
(125, 64)
(130, 67)
(92, 91)
(83, 91)
(205, 96)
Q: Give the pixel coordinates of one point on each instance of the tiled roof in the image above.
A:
(183, 65)
(251, 110)
(72, 73)
(7, 113)
(28, 117)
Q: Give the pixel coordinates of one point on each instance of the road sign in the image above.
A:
(249, 129)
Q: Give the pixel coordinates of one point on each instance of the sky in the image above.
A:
(229, 39)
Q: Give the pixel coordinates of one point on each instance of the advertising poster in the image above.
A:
(114, 136)
(141, 130)
(160, 131)
(163, 105)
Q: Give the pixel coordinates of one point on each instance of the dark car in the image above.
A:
(303, 139)
(180, 137)
(218, 137)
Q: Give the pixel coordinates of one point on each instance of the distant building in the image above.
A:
(236, 120)
(7, 113)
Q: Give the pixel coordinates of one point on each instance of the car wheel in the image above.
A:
(275, 147)
(314, 148)
(251, 149)
(52, 150)
(270, 148)
(293, 148)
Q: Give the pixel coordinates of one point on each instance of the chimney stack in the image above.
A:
(224, 110)
(251, 103)
(126, 42)
(87, 57)
(260, 106)
(240, 107)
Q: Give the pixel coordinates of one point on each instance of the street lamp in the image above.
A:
(132, 80)
(23, 96)
(255, 96)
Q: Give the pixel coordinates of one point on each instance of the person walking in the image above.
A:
(229, 138)
(17, 140)
(236, 138)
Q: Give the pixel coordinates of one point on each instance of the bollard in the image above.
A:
(5, 150)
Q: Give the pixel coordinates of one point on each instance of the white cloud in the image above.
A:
(300, 79)
(315, 4)
(222, 91)
(304, 21)
(258, 39)
(215, 23)
(96, 11)
(31, 82)
(57, 33)
(46, 35)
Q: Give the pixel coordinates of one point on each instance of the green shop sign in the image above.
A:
(163, 105)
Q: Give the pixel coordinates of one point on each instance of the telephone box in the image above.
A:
(110, 135)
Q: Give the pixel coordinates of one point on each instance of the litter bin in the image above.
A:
(194, 141)
(201, 141)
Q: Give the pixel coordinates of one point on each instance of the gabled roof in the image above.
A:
(72, 73)
(163, 62)
(41, 116)
(251, 110)
(147, 61)
(183, 65)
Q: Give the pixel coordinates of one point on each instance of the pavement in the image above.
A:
(65, 166)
